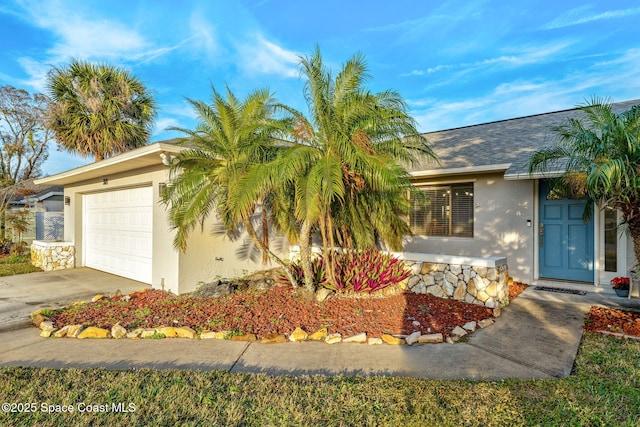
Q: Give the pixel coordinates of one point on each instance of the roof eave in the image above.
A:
(112, 165)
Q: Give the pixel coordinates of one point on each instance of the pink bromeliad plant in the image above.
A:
(367, 271)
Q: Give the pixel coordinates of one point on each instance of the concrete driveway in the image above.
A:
(22, 294)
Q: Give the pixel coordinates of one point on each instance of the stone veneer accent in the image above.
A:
(53, 255)
(482, 281)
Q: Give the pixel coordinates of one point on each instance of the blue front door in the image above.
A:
(565, 240)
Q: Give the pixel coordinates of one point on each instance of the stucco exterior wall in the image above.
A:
(212, 254)
(165, 258)
(501, 211)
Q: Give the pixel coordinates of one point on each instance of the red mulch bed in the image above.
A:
(278, 311)
(515, 289)
(613, 320)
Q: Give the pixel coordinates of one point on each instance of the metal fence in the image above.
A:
(49, 225)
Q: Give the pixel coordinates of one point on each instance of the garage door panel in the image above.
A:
(118, 232)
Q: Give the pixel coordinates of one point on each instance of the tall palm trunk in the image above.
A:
(305, 255)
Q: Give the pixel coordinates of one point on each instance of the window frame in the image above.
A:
(451, 210)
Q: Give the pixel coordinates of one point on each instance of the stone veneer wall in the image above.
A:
(53, 255)
(482, 281)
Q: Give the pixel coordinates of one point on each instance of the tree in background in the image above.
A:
(99, 110)
(600, 153)
(23, 134)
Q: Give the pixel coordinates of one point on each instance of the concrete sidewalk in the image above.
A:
(22, 294)
(537, 337)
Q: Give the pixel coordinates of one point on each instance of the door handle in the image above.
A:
(541, 234)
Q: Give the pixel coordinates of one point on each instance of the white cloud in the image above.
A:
(579, 16)
(260, 56)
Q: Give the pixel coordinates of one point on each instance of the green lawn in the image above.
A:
(16, 264)
(603, 390)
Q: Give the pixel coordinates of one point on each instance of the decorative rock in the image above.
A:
(245, 337)
(46, 334)
(415, 323)
(274, 339)
(450, 340)
(482, 271)
(470, 326)
(135, 334)
(497, 312)
(319, 335)
(412, 338)
(62, 332)
(74, 331)
(485, 322)
(185, 332)
(148, 333)
(298, 335)
(37, 319)
(117, 331)
(333, 338)
(416, 269)
(390, 339)
(374, 341)
(93, 332)
(167, 331)
(414, 281)
(430, 339)
(458, 332)
(450, 277)
(97, 298)
(117, 293)
(207, 335)
(429, 280)
(323, 294)
(126, 298)
(360, 338)
(46, 326)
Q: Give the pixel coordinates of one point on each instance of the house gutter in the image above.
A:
(466, 170)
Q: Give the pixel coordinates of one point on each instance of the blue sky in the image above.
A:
(456, 63)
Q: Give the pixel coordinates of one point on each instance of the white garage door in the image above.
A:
(118, 229)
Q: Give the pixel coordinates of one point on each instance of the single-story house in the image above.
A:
(483, 204)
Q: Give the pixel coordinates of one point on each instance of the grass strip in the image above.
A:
(603, 390)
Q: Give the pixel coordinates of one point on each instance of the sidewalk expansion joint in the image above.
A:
(244, 350)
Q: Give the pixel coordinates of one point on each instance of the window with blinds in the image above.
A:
(447, 212)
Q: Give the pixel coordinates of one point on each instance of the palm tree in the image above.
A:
(99, 110)
(600, 153)
(343, 168)
(231, 136)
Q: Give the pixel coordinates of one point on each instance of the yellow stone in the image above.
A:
(390, 339)
(245, 337)
(97, 298)
(333, 338)
(45, 334)
(298, 335)
(319, 335)
(207, 335)
(94, 332)
(147, 333)
(274, 339)
(185, 332)
(167, 331)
